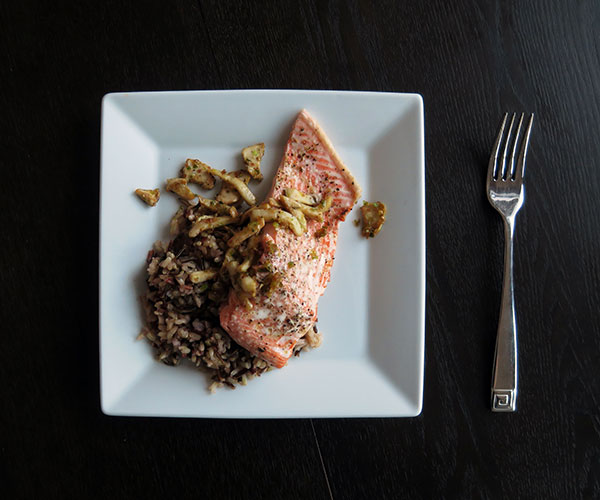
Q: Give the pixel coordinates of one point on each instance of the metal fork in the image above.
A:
(506, 193)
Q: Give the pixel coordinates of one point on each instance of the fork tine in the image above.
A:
(493, 165)
(502, 173)
(520, 171)
(510, 172)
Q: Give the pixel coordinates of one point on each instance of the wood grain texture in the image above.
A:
(471, 61)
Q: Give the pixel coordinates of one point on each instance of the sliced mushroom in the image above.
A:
(229, 194)
(238, 184)
(307, 199)
(180, 187)
(149, 196)
(301, 219)
(248, 284)
(244, 266)
(373, 217)
(208, 222)
(177, 222)
(272, 202)
(251, 229)
(315, 213)
(199, 173)
(277, 215)
(252, 157)
(217, 206)
(229, 262)
(201, 276)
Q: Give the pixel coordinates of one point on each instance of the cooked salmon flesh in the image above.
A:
(277, 320)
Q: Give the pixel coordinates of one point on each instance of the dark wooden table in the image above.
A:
(471, 61)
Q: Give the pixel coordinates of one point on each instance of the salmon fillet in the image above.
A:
(275, 323)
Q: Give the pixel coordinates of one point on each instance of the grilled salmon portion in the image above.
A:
(277, 320)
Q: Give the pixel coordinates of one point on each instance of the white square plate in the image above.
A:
(373, 311)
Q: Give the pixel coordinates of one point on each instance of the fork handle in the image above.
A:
(504, 379)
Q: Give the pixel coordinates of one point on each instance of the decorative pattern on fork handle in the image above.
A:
(503, 400)
(506, 194)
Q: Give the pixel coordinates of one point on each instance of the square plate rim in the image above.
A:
(418, 404)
